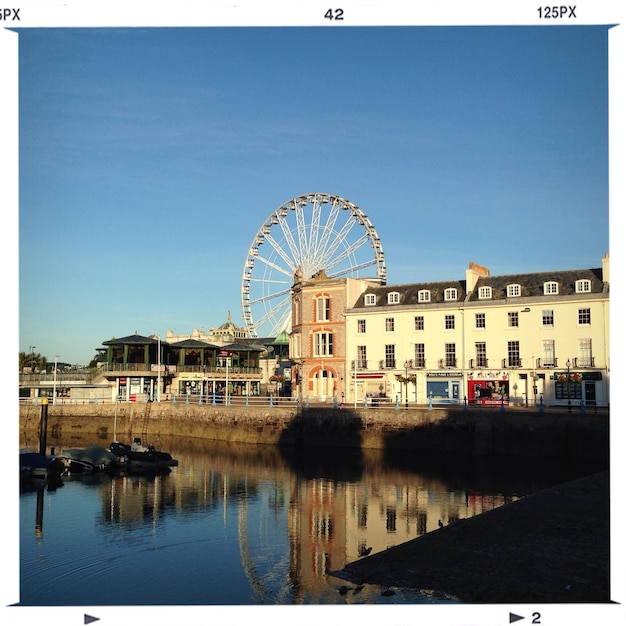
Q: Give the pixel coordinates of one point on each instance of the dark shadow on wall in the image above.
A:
(489, 451)
(324, 443)
(493, 452)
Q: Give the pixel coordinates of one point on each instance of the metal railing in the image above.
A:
(210, 400)
(152, 368)
(61, 377)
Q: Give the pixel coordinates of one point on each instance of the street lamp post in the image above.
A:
(54, 387)
(406, 384)
(227, 360)
(158, 396)
(569, 400)
(354, 379)
(31, 357)
(526, 310)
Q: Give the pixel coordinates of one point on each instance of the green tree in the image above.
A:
(33, 360)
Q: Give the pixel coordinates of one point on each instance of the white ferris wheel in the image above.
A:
(309, 233)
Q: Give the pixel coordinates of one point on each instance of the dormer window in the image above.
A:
(513, 291)
(484, 293)
(550, 288)
(450, 294)
(393, 297)
(423, 295)
(370, 299)
(583, 286)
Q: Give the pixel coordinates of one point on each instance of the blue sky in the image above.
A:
(149, 158)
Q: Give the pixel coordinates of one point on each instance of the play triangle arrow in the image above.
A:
(89, 619)
(514, 618)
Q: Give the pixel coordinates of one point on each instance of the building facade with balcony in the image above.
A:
(522, 339)
(139, 367)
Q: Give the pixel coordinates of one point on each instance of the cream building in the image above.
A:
(523, 339)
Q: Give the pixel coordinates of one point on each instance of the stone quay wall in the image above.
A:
(476, 431)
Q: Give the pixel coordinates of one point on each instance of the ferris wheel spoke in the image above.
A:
(291, 242)
(347, 252)
(329, 228)
(277, 267)
(283, 321)
(338, 242)
(271, 314)
(270, 296)
(271, 281)
(352, 269)
(314, 228)
(302, 241)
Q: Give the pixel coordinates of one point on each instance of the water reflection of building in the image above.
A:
(334, 523)
(293, 530)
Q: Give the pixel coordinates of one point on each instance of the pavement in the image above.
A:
(549, 547)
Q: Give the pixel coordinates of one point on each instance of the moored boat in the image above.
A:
(89, 460)
(33, 465)
(141, 458)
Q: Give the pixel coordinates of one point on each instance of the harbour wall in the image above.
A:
(483, 432)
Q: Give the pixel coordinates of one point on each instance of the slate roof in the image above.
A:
(193, 343)
(408, 293)
(135, 339)
(240, 347)
(532, 284)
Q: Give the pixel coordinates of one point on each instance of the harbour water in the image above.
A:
(250, 525)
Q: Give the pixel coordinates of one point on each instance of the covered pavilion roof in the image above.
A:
(132, 339)
(193, 343)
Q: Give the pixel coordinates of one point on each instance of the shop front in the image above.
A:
(136, 388)
(444, 387)
(578, 388)
(488, 389)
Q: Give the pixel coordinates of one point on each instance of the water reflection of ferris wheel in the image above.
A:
(264, 556)
(306, 234)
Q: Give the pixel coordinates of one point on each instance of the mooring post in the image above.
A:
(43, 427)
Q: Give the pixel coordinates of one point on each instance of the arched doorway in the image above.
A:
(323, 380)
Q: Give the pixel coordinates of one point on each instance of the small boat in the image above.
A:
(33, 465)
(141, 458)
(89, 460)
